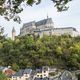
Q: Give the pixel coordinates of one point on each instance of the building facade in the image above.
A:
(46, 27)
(37, 28)
(23, 74)
(65, 31)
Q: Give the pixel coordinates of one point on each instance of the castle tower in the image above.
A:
(47, 16)
(13, 33)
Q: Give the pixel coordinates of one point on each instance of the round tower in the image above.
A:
(13, 33)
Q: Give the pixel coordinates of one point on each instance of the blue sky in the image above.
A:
(70, 18)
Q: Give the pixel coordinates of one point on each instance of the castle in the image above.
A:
(46, 27)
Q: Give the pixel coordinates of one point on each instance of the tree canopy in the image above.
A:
(3, 76)
(60, 51)
(10, 8)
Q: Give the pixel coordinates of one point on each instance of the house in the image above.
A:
(23, 74)
(2, 68)
(67, 75)
(9, 72)
(42, 72)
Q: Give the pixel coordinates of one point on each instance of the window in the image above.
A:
(40, 76)
(37, 75)
(15, 79)
(26, 78)
(44, 71)
(19, 77)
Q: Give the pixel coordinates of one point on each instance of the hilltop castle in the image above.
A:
(46, 27)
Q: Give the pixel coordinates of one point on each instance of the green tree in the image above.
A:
(25, 51)
(10, 8)
(3, 76)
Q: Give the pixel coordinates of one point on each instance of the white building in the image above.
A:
(33, 27)
(46, 27)
(65, 31)
(42, 73)
(22, 75)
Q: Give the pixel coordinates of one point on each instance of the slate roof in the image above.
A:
(66, 28)
(23, 71)
(2, 68)
(29, 24)
(39, 70)
(66, 75)
(43, 22)
(39, 23)
(13, 30)
(43, 78)
(27, 71)
(19, 73)
(33, 72)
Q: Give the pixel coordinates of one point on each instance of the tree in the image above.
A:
(25, 51)
(10, 8)
(1, 30)
(78, 76)
(3, 76)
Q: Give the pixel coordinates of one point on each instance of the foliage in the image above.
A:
(26, 51)
(79, 77)
(3, 77)
(10, 8)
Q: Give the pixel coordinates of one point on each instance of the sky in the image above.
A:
(69, 18)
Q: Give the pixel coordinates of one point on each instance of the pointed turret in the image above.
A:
(47, 16)
(13, 33)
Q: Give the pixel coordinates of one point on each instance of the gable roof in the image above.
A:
(9, 72)
(13, 30)
(2, 68)
(28, 24)
(27, 71)
(43, 22)
(19, 73)
(65, 28)
(22, 72)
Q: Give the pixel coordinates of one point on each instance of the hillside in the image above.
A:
(60, 51)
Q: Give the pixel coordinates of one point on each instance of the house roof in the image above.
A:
(33, 72)
(39, 70)
(23, 71)
(9, 72)
(27, 71)
(66, 75)
(2, 68)
(43, 78)
(19, 73)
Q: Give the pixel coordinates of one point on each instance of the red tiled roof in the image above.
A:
(9, 72)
